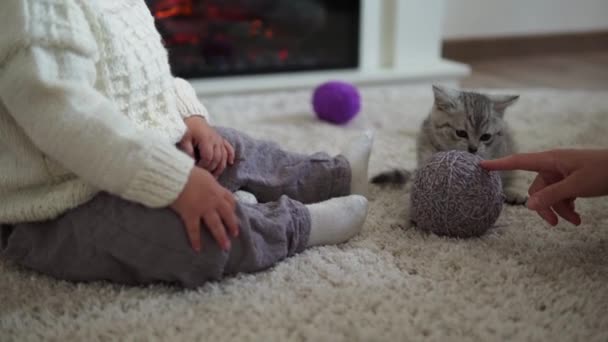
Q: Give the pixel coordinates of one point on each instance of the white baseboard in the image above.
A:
(440, 71)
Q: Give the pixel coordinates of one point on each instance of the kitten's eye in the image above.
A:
(485, 137)
(461, 133)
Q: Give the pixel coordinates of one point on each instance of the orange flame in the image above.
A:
(171, 10)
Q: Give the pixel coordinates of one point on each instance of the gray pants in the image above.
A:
(109, 238)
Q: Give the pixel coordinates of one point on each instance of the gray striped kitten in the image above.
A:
(466, 121)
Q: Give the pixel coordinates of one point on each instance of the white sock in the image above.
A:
(357, 154)
(245, 197)
(336, 220)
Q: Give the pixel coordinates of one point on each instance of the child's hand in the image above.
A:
(205, 200)
(563, 175)
(215, 152)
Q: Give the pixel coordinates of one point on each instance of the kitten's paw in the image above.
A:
(396, 176)
(515, 197)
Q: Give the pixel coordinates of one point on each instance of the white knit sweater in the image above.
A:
(87, 104)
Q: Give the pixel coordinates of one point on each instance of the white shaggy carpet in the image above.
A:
(523, 281)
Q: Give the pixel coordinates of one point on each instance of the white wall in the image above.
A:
(495, 18)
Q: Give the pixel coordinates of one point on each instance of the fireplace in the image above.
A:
(244, 45)
(212, 38)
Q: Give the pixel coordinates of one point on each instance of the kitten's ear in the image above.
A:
(446, 99)
(501, 102)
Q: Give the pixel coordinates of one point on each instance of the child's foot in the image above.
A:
(245, 197)
(357, 154)
(336, 220)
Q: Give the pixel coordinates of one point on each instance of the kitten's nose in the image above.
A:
(473, 149)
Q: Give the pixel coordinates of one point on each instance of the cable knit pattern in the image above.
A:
(87, 104)
(187, 102)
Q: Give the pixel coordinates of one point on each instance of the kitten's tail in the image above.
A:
(396, 176)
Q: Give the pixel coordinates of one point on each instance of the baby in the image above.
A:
(92, 185)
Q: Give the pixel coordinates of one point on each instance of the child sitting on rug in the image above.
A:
(92, 185)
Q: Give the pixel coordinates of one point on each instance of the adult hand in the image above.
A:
(563, 175)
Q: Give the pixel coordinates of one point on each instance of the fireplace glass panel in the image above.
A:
(210, 38)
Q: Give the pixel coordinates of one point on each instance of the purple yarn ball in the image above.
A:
(453, 196)
(336, 102)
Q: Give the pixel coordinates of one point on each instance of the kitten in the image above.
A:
(465, 121)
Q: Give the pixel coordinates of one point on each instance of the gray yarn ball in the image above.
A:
(452, 195)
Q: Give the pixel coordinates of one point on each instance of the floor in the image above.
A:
(588, 70)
